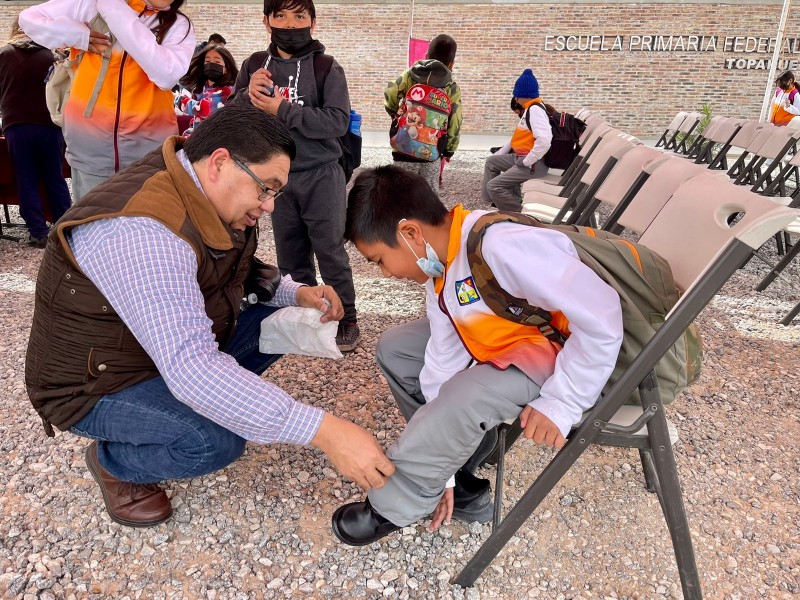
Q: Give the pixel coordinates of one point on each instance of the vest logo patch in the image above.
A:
(466, 292)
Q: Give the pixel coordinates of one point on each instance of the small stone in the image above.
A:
(773, 549)
(776, 477)
(275, 584)
(390, 575)
(374, 584)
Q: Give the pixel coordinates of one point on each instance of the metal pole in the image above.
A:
(765, 106)
(410, 33)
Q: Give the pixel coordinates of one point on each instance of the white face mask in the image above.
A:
(431, 266)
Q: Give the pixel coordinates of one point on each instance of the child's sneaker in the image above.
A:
(472, 498)
(347, 336)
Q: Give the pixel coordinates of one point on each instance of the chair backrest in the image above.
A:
(689, 122)
(749, 130)
(725, 130)
(583, 114)
(776, 141)
(665, 177)
(713, 125)
(593, 129)
(677, 120)
(693, 227)
(609, 146)
(626, 172)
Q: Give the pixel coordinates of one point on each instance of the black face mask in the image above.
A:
(213, 72)
(291, 40)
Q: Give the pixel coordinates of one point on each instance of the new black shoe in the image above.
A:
(357, 524)
(347, 336)
(472, 498)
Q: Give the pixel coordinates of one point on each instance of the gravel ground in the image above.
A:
(260, 528)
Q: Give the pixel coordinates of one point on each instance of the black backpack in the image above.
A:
(350, 143)
(566, 132)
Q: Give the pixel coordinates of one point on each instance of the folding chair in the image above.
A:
(553, 209)
(761, 171)
(750, 152)
(693, 235)
(671, 129)
(742, 140)
(721, 139)
(659, 180)
(702, 137)
(686, 128)
(789, 172)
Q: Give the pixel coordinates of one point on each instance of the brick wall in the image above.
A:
(639, 91)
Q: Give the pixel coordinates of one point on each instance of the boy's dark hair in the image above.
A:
(194, 80)
(443, 49)
(273, 6)
(248, 133)
(382, 197)
(216, 38)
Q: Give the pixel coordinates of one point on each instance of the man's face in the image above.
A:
(399, 262)
(239, 199)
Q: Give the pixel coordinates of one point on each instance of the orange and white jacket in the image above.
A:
(785, 106)
(543, 267)
(530, 144)
(134, 112)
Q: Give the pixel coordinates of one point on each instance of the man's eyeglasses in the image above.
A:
(266, 191)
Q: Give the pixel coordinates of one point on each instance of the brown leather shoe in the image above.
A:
(131, 504)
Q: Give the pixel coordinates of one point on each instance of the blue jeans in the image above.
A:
(146, 435)
(37, 151)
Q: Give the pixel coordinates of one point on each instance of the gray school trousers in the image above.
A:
(442, 435)
(503, 179)
(308, 221)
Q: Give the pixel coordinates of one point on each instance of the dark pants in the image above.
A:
(36, 152)
(308, 221)
(146, 435)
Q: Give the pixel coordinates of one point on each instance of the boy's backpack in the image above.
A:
(642, 279)
(350, 142)
(567, 131)
(419, 129)
(59, 78)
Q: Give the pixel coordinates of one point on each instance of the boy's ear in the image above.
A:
(450, 66)
(410, 230)
(266, 23)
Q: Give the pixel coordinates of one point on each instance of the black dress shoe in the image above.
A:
(357, 524)
(472, 498)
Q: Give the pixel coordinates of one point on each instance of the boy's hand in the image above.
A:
(261, 91)
(353, 452)
(324, 299)
(443, 511)
(540, 429)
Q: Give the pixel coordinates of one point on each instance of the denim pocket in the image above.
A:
(84, 434)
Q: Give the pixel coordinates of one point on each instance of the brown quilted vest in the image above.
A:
(79, 348)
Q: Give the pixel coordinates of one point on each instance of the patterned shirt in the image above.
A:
(149, 275)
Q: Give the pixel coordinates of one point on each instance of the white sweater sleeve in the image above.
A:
(164, 63)
(59, 23)
(540, 127)
(554, 278)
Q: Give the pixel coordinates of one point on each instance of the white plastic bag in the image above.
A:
(297, 330)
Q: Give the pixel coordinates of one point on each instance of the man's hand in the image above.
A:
(98, 42)
(540, 429)
(261, 91)
(443, 511)
(353, 452)
(324, 299)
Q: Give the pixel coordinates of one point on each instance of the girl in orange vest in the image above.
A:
(786, 102)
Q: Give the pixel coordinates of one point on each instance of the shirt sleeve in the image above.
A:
(554, 278)
(794, 107)
(59, 23)
(149, 275)
(540, 127)
(164, 63)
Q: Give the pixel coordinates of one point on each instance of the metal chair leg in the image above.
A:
(502, 430)
(650, 477)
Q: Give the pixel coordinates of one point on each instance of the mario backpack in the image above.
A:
(420, 128)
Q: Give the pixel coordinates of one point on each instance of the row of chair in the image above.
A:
(635, 180)
(706, 227)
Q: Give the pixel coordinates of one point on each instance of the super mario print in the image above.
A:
(421, 122)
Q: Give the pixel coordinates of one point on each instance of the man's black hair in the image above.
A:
(216, 38)
(273, 6)
(246, 132)
(382, 197)
(443, 49)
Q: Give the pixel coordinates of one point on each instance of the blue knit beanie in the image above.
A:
(526, 86)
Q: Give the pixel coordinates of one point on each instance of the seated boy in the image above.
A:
(521, 158)
(463, 370)
(425, 130)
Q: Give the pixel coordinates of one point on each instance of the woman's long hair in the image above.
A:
(194, 80)
(167, 18)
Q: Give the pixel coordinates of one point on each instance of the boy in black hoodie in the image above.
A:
(309, 217)
(420, 139)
